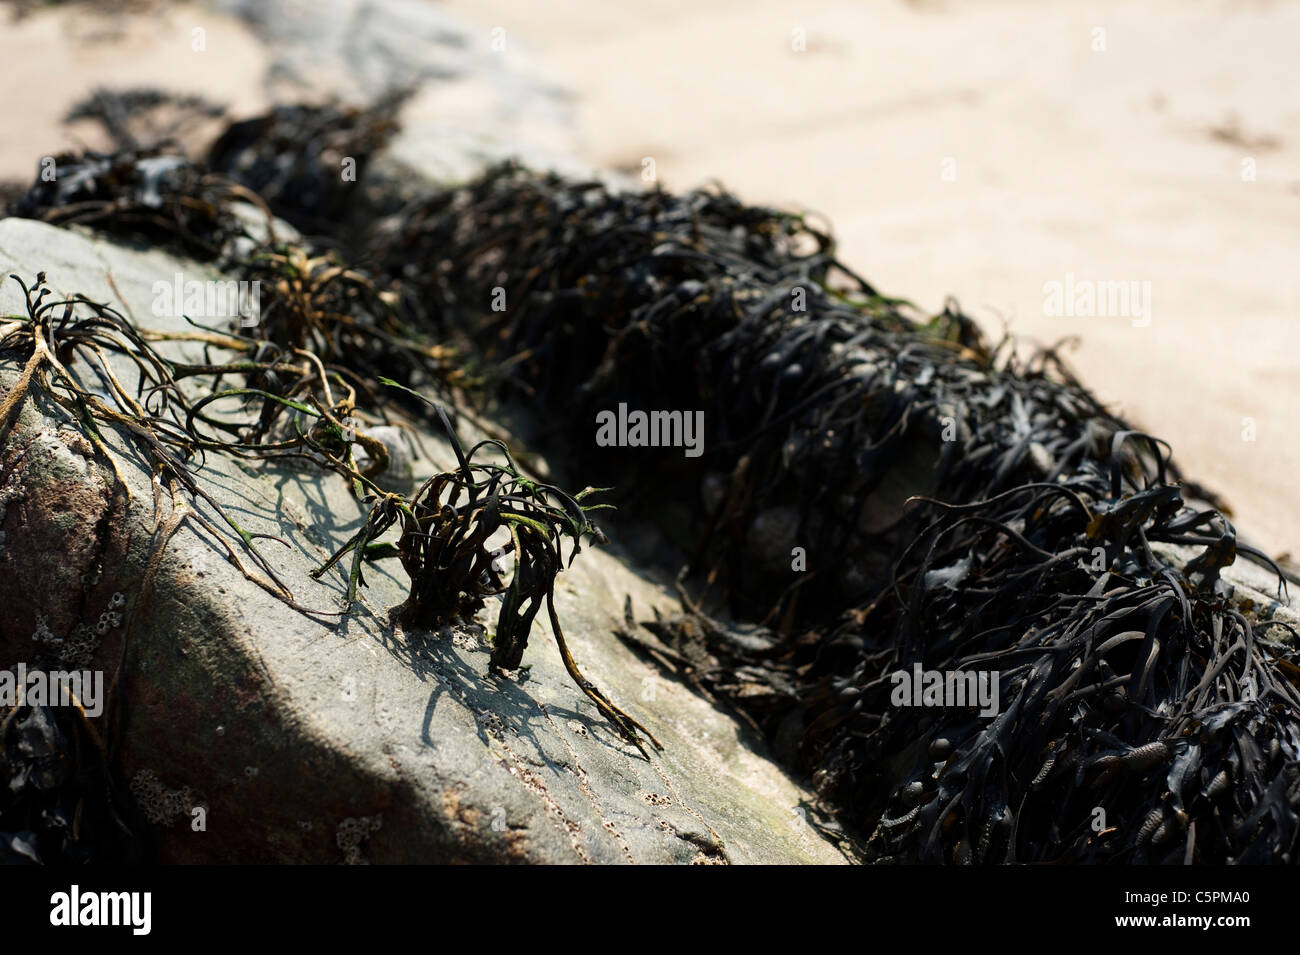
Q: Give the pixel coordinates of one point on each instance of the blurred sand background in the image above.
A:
(1115, 164)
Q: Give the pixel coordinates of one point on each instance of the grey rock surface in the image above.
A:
(346, 739)
(477, 98)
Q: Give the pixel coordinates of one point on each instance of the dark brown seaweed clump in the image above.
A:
(446, 527)
(308, 162)
(154, 192)
(1043, 546)
(308, 298)
(58, 804)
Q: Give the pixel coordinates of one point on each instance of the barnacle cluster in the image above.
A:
(77, 649)
(160, 804)
(352, 832)
(11, 490)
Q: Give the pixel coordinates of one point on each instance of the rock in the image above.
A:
(476, 97)
(322, 739)
(398, 476)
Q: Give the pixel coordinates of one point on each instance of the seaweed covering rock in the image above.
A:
(1048, 543)
(227, 695)
(154, 191)
(960, 510)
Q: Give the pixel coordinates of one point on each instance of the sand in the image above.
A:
(52, 58)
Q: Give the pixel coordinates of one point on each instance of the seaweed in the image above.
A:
(320, 345)
(143, 117)
(1129, 682)
(61, 804)
(154, 417)
(153, 192)
(311, 300)
(64, 800)
(964, 509)
(309, 163)
(346, 318)
(444, 550)
(806, 374)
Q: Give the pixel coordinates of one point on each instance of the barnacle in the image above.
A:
(159, 803)
(352, 832)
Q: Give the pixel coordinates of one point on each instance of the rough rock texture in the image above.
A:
(310, 740)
